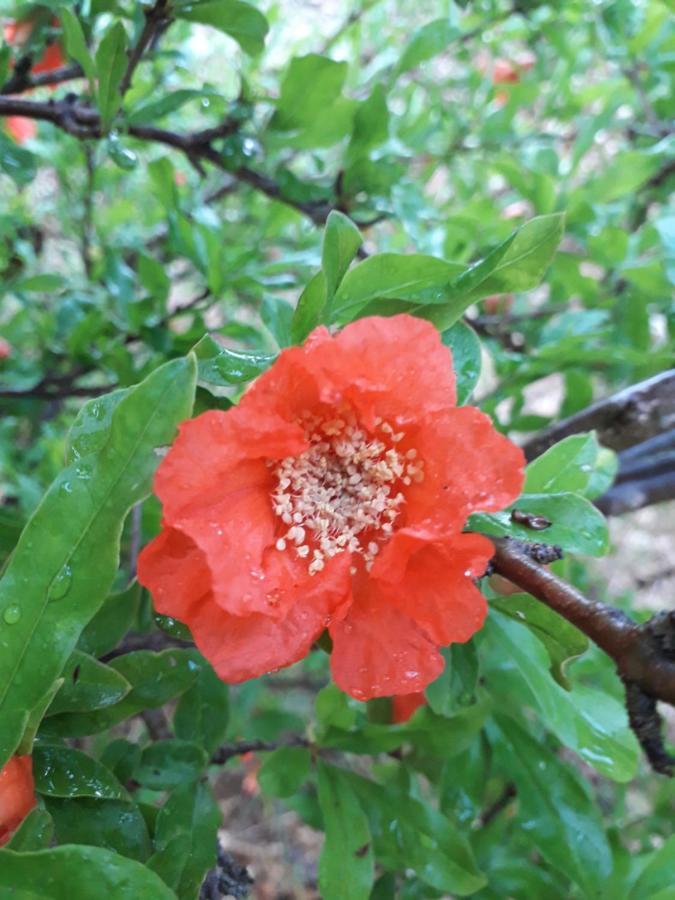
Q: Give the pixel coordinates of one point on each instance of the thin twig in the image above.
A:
(502, 801)
(88, 204)
(229, 751)
(18, 82)
(155, 17)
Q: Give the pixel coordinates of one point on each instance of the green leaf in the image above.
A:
(220, 367)
(624, 174)
(64, 772)
(46, 283)
(155, 679)
(426, 42)
(310, 309)
(111, 463)
(346, 866)
(466, 358)
(516, 665)
(517, 264)
(576, 525)
(412, 278)
(15, 161)
(111, 622)
(558, 816)
(277, 316)
(341, 241)
(121, 757)
(113, 824)
(656, 879)
(79, 873)
(410, 834)
(157, 109)
(185, 838)
(202, 712)
(284, 771)
(34, 833)
(87, 684)
(527, 257)
(455, 687)
(241, 21)
(167, 764)
(76, 45)
(442, 736)
(309, 88)
(562, 640)
(567, 466)
(371, 125)
(111, 63)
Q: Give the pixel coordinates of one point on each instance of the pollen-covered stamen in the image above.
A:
(344, 493)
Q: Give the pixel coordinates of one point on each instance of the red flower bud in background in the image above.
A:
(16, 35)
(334, 497)
(405, 706)
(17, 795)
(21, 128)
(5, 349)
(504, 72)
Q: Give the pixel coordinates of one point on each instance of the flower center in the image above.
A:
(344, 493)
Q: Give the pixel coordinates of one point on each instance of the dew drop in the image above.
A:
(12, 615)
(61, 584)
(67, 487)
(412, 674)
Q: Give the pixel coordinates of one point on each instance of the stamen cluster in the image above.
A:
(345, 492)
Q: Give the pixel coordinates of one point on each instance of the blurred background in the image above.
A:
(438, 127)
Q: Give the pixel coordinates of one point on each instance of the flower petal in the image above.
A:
(243, 647)
(431, 582)
(396, 368)
(378, 651)
(175, 571)
(207, 458)
(468, 467)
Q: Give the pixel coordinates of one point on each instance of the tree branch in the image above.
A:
(644, 655)
(21, 81)
(633, 415)
(228, 751)
(83, 122)
(155, 19)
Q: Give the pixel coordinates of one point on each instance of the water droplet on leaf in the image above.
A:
(12, 615)
(61, 584)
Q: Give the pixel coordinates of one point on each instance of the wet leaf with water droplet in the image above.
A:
(77, 528)
(80, 873)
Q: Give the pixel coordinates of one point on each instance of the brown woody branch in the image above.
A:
(155, 20)
(22, 79)
(228, 751)
(628, 417)
(83, 122)
(644, 655)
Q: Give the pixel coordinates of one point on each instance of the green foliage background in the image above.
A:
(120, 253)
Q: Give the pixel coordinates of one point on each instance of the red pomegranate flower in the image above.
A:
(333, 496)
(17, 795)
